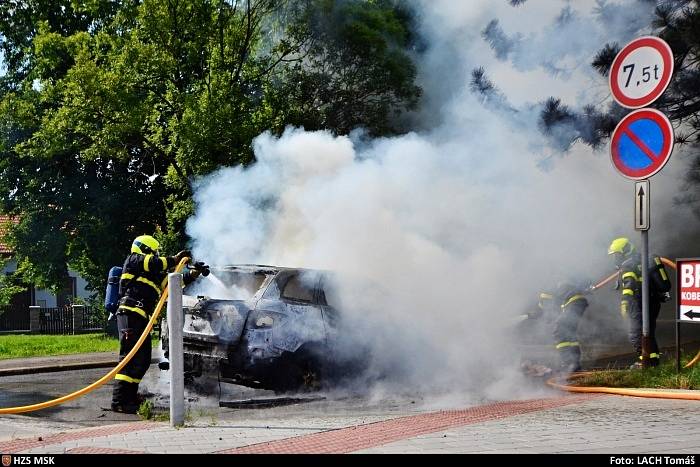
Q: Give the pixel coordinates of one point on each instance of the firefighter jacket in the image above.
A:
(574, 302)
(142, 281)
(631, 282)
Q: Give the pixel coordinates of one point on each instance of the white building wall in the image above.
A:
(45, 298)
(80, 286)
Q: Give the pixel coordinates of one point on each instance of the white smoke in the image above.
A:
(459, 225)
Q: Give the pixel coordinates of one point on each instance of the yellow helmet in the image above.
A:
(546, 300)
(622, 246)
(145, 244)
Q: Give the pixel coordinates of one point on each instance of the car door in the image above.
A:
(327, 298)
(303, 321)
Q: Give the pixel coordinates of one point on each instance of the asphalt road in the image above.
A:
(88, 410)
(600, 349)
(248, 403)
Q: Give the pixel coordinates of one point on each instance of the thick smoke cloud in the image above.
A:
(562, 46)
(459, 224)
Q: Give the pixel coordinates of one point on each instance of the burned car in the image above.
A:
(263, 327)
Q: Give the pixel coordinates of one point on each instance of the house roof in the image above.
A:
(4, 220)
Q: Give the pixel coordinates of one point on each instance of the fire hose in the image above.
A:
(74, 395)
(180, 267)
(621, 391)
(553, 382)
(612, 276)
(667, 262)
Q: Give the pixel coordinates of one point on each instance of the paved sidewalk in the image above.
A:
(558, 424)
(32, 365)
(604, 424)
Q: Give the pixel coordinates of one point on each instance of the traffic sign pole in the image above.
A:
(642, 221)
(678, 344)
(642, 142)
(646, 341)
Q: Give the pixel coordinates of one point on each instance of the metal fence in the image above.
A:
(14, 319)
(56, 320)
(64, 320)
(94, 319)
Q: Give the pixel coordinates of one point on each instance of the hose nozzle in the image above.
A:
(201, 267)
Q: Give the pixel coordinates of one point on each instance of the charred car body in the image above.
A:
(264, 327)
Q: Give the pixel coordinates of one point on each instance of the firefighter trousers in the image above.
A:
(131, 326)
(635, 329)
(566, 339)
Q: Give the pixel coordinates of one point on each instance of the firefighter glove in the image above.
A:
(183, 254)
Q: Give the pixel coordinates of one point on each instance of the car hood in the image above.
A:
(214, 321)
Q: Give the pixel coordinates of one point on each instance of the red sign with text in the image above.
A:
(688, 271)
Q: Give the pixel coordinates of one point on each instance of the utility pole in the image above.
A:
(175, 352)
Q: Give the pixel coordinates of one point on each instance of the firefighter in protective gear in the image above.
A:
(629, 264)
(539, 318)
(572, 305)
(545, 307)
(142, 281)
(536, 325)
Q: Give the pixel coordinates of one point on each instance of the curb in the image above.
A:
(29, 370)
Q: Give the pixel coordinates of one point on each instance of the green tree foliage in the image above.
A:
(355, 71)
(678, 23)
(109, 108)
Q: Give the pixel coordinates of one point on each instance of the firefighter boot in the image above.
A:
(570, 358)
(124, 397)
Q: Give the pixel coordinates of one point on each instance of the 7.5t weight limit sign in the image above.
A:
(641, 72)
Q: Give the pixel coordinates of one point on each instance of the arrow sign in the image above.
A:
(642, 202)
(691, 314)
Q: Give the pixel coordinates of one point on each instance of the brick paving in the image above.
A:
(89, 450)
(20, 445)
(360, 437)
(563, 424)
(607, 424)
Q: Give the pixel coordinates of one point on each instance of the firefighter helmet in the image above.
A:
(546, 301)
(145, 244)
(622, 246)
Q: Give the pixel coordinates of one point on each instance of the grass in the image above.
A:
(662, 377)
(22, 346)
(148, 411)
